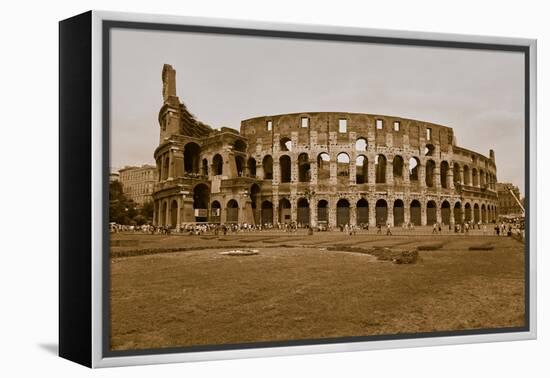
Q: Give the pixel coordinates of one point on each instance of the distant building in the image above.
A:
(114, 176)
(507, 204)
(138, 182)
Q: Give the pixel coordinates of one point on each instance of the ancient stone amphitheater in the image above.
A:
(321, 168)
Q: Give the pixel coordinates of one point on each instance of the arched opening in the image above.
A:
(239, 146)
(430, 169)
(458, 213)
(483, 213)
(215, 212)
(467, 212)
(361, 145)
(322, 212)
(431, 212)
(303, 212)
(201, 199)
(380, 168)
(239, 164)
(191, 158)
(217, 163)
(286, 144)
(342, 212)
(482, 179)
(466, 172)
(414, 167)
(477, 215)
(304, 168)
(323, 166)
(232, 211)
(443, 173)
(284, 211)
(267, 213)
(362, 212)
(475, 177)
(255, 201)
(251, 167)
(342, 169)
(446, 212)
(361, 170)
(165, 168)
(284, 165)
(163, 212)
(381, 210)
(456, 174)
(398, 212)
(174, 213)
(267, 164)
(204, 167)
(398, 168)
(429, 150)
(416, 213)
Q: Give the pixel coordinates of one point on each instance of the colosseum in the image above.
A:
(316, 169)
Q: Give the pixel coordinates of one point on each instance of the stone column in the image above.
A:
(352, 172)
(259, 170)
(170, 164)
(389, 172)
(422, 175)
(390, 219)
(371, 179)
(407, 211)
(314, 169)
(293, 208)
(333, 171)
(353, 214)
(177, 162)
(438, 213)
(423, 215)
(406, 178)
(293, 169)
(372, 213)
(450, 179)
(332, 212)
(178, 220)
(437, 178)
(313, 212)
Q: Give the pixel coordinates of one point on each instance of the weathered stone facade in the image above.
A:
(316, 168)
(507, 204)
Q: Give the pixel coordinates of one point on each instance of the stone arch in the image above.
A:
(201, 199)
(267, 212)
(380, 168)
(239, 164)
(416, 213)
(267, 164)
(215, 212)
(483, 213)
(398, 164)
(322, 211)
(251, 164)
(217, 163)
(429, 150)
(191, 158)
(381, 210)
(304, 168)
(456, 174)
(361, 169)
(414, 168)
(173, 213)
(431, 212)
(398, 212)
(361, 145)
(303, 214)
(285, 167)
(475, 177)
(362, 211)
(204, 168)
(467, 212)
(457, 212)
(284, 211)
(323, 166)
(232, 211)
(163, 212)
(239, 146)
(342, 167)
(430, 173)
(342, 212)
(443, 173)
(165, 167)
(445, 212)
(285, 144)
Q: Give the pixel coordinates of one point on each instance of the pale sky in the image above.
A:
(226, 79)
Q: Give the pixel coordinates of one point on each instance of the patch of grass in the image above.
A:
(482, 247)
(429, 247)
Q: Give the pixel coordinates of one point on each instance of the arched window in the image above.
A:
(267, 164)
(430, 169)
(304, 172)
(361, 169)
(323, 166)
(251, 167)
(443, 173)
(414, 167)
(342, 169)
(191, 157)
(361, 145)
(217, 163)
(398, 167)
(286, 144)
(285, 166)
(380, 168)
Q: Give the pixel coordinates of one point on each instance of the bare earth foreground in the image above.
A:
(297, 289)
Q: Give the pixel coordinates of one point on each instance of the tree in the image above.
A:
(121, 209)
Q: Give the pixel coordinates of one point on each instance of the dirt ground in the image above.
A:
(298, 287)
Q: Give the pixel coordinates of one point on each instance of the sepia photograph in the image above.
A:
(271, 190)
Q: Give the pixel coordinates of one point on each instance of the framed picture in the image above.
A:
(232, 189)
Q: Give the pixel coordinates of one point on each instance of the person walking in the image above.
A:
(388, 229)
